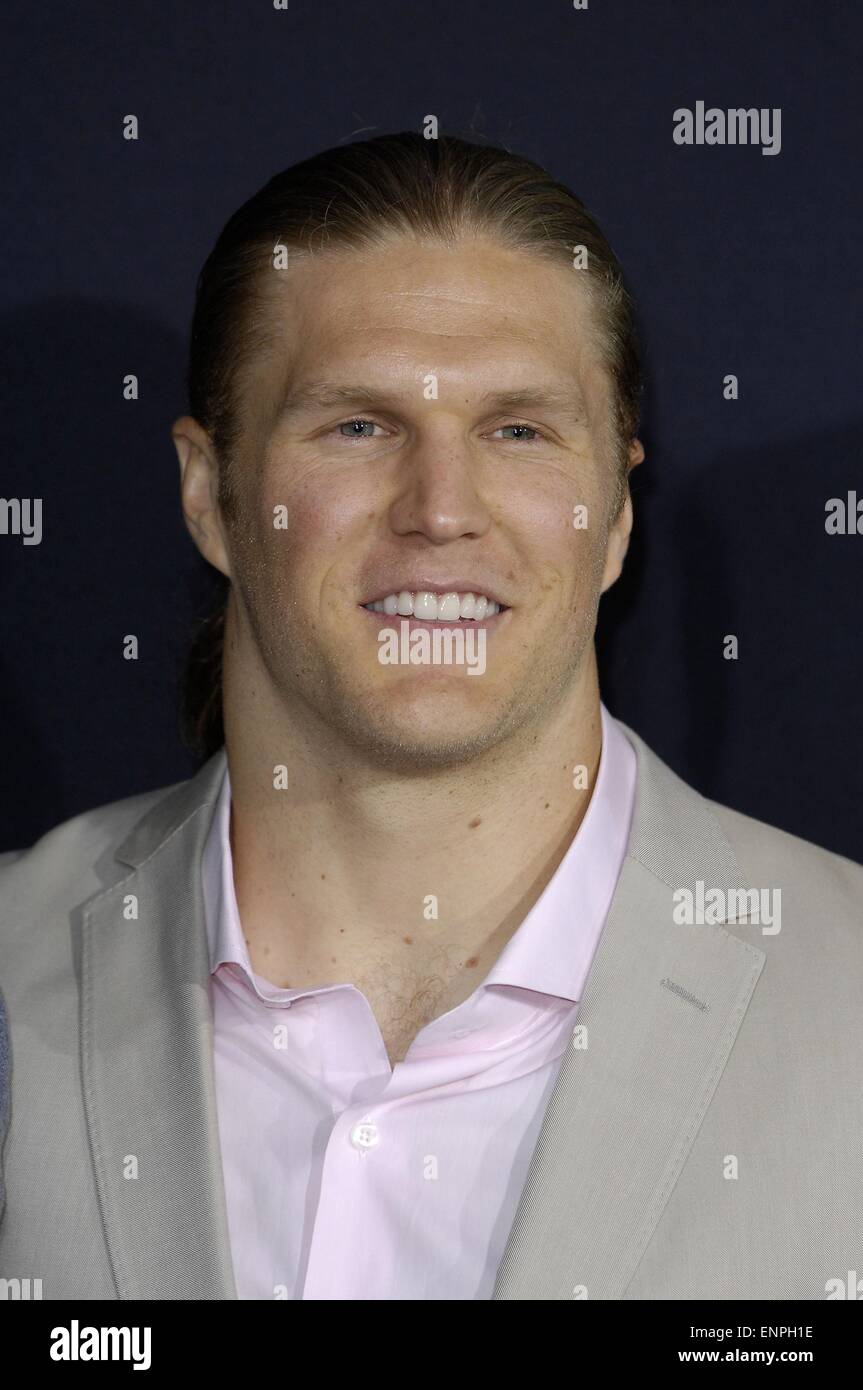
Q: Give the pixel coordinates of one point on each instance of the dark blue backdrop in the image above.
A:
(742, 263)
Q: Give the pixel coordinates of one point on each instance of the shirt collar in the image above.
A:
(552, 949)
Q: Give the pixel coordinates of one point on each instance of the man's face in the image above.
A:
(446, 487)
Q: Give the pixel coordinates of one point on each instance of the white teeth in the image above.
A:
(426, 605)
(450, 607)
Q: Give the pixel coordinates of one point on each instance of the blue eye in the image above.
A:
(360, 428)
(517, 426)
(355, 434)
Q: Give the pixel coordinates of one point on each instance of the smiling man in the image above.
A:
(414, 493)
(395, 998)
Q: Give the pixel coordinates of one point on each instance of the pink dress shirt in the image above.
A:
(347, 1178)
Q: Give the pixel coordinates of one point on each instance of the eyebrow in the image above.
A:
(322, 394)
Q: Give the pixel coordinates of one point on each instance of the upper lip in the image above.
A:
(424, 584)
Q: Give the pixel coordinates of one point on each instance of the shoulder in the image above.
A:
(683, 836)
(808, 919)
(770, 855)
(62, 867)
(693, 828)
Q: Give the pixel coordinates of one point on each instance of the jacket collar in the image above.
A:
(172, 810)
(147, 1058)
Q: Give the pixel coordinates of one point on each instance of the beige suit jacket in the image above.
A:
(704, 1137)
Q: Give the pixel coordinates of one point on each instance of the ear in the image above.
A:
(199, 491)
(618, 536)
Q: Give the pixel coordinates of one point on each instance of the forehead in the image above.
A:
(468, 312)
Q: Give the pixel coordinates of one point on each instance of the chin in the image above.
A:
(412, 737)
(425, 753)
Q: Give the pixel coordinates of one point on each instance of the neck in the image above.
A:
(354, 863)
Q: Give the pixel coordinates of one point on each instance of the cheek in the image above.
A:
(308, 529)
(558, 527)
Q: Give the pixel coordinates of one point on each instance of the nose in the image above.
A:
(438, 496)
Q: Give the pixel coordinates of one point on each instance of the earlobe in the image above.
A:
(618, 544)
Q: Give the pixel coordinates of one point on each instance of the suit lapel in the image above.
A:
(625, 1108)
(147, 1058)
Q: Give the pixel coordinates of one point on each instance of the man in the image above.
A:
(434, 982)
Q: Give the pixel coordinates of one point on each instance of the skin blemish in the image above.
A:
(408, 940)
(472, 824)
(472, 961)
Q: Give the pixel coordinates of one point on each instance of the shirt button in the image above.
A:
(365, 1135)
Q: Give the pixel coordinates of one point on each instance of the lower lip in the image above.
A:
(393, 619)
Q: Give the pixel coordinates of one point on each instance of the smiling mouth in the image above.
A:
(448, 609)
